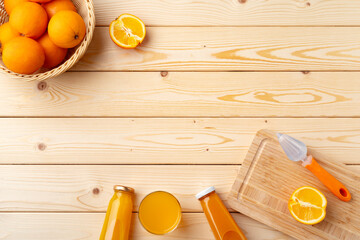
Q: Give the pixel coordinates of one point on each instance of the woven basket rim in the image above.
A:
(75, 57)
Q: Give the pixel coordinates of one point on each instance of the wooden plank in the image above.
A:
(89, 187)
(232, 12)
(228, 48)
(191, 94)
(87, 226)
(165, 140)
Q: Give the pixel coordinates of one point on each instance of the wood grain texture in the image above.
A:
(64, 188)
(232, 12)
(165, 140)
(87, 226)
(71, 188)
(191, 94)
(266, 180)
(63, 182)
(228, 48)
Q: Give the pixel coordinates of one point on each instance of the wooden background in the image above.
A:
(177, 113)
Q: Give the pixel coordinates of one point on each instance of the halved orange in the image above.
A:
(308, 205)
(127, 31)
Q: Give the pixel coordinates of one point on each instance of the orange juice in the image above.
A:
(221, 222)
(160, 212)
(118, 216)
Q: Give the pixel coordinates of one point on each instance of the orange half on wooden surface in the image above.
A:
(308, 205)
(127, 31)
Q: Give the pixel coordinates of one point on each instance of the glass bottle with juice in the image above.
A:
(221, 222)
(118, 216)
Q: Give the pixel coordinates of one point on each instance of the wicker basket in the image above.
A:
(86, 9)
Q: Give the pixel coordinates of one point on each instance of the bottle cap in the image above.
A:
(123, 188)
(205, 192)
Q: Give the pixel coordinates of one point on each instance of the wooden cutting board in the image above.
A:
(267, 179)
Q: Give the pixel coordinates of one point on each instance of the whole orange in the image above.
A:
(23, 55)
(6, 34)
(29, 19)
(11, 4)
(54, 55)
(40, 1)
(58, 5)
(66, 29)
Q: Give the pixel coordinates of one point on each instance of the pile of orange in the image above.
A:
(39, 33)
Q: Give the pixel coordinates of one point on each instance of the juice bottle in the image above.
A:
(118, 216)
(221, 222)
(160, 212)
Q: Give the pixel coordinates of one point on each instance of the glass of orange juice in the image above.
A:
(160, 212)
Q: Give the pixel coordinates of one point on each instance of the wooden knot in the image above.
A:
(305, 72)
(242, 1)
(308, 4)
(42, 86)
(41, 146)
(164, 73)
(96, 191)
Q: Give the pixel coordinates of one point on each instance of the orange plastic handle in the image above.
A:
(336, 187)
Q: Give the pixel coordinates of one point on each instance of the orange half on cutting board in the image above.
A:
(308, 205)
(127, 31)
